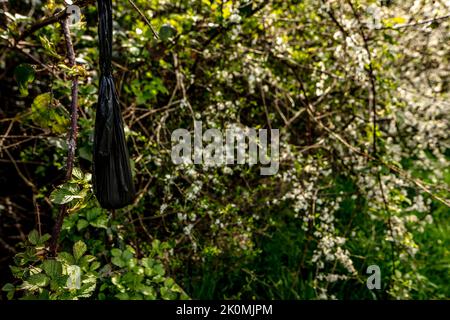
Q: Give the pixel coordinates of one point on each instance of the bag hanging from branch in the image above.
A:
(113, 185)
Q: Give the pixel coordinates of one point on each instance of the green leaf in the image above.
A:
(60, 281)
(147, 262)
(166, 32)
(92, 214)
(147, 291)
(8, 287)
(81, 224)
(66, 258)
(65, 194)
(87, 288)
(46, 114)
(85, 153)
(44, 238)
(94, 265)
(100, 222)
(122, 296)
(24, 75)
(117, 261)
(33, 237)
(169, 282)
(77, 173)
(85, 260)
(53, 268)
(39, 279)
(49, 46)
(79, 248)
(116, 252)
(10, 295)
(159, 269)
(167, 294)
(127, 255)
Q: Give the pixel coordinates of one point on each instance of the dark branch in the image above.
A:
(58, 16)
(73, 133)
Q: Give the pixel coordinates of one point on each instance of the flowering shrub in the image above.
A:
(359, 91)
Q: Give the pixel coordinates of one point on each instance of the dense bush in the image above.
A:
(358, 89)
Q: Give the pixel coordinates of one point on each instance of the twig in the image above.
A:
(17, 224)
(371, 99)
(414, 24)
(145, 19)
(58, 16)
(27, 182)
(139, 218)
(266, 111)
(37, 61)
(420, 184)
(73, 132)
(3, 137)
(23, 161)
(223, 30)
(33, 190)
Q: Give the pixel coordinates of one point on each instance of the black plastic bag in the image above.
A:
(113, 185)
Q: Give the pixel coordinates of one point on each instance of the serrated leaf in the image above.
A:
(79, 248)
(92, 214)
(8, 287)
(16, 271)
(33, 237)
(46, 114)
(94, 265)
(147, 291)
(39, 279)
(66, 257)
(100, 222)
(24, 75)
(81, 224)
(65, 194)
(87, 288)
(85, 260)
(53, 268)
(44, 238)
(77, 173)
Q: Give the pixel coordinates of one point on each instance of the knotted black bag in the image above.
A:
(113, 185)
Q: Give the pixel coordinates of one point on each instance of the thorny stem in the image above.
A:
(73, 133)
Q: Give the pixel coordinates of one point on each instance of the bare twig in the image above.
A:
(266, 111)
(414, 24)
(58, 16)
(145, 18)
(418, 183)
